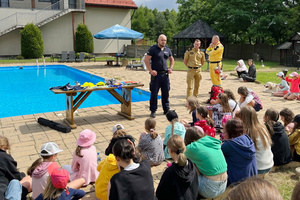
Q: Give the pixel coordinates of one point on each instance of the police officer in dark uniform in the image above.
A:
(159, 55)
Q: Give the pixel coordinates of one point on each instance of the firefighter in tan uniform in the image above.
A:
(215, 52)
(194, 59)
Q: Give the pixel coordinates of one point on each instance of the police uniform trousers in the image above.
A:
(193, 79)
(160, 81)
(215, 77)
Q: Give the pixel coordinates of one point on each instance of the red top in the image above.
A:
(208, 130)
(112, 3)
(294, 84)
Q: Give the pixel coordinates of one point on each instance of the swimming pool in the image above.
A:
(25, 90)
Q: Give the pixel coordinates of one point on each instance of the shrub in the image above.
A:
(83, 39)
(32, 45)
(19, 57)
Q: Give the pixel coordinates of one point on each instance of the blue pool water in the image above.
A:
(26, 91)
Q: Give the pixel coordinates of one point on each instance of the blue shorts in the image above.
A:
(209, 188)
(257, 107)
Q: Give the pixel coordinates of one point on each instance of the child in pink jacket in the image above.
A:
(294, 90)
(84, 164)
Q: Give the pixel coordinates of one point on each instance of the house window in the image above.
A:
(4, 3)
(44, 0)
(72, 4)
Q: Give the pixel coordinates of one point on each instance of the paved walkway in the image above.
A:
(27, 136)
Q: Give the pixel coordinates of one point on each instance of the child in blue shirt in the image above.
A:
(175, 128)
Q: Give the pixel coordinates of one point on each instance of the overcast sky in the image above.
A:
(158, 4)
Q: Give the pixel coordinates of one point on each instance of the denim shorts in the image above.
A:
(257, 107)
(209, 188)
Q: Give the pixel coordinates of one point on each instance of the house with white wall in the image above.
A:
(58, 19)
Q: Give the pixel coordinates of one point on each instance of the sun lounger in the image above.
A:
(81, 57)
(64, 56)
(71, 56)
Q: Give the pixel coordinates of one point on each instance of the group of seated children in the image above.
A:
(289, 92)
(202, 164)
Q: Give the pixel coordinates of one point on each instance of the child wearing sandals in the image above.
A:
(175, 128)
(283, 86)
(205, 122)
(294, 90)
(287, 116)
(191, 104)
(56, 188)
(84, 163)
(150, 144)
(13, 184)
(180, 180)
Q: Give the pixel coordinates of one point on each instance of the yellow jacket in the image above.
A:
(215, 53)
(294, 139)
(107, 169)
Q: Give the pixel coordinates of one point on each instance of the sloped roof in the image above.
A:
(286, 45)
(112, 3)
(198, 30)
(296, 36)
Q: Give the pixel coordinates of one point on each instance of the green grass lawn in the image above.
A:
(263, 74)
(228, 65)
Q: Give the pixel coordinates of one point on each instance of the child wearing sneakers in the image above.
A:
(84, 164)
(175, 128)
(107, 169)
(56, 188)
(150, 144)
(39, 168)
(118, 133)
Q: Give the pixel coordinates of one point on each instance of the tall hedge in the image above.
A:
(83, 39)
(32, 45)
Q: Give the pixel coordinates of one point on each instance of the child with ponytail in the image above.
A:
(175, 128)
(205, 122)
(150, 144)
(180, 180)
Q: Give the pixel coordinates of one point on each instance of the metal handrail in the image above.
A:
(22, 18)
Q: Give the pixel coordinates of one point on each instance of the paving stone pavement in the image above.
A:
(27, 136)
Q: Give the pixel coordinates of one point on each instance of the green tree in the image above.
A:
(83, 39)
(32, 45)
